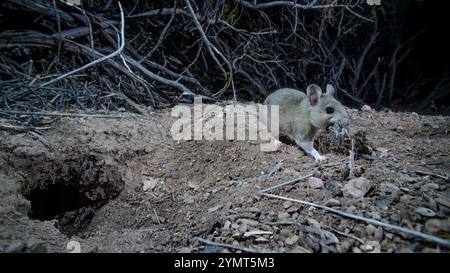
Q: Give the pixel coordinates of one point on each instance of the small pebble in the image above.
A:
(315, 183)
(333, 203)
(426, 212)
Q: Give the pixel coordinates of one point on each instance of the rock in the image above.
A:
(358, 171)
(314, 223)
(234, 226)
(417, 185)
(383, 202)
(426, 212)
(375, 215)
(350, 209)
(226, 225)
(172, 174)
(405, 250)
(334, 187)
(283, 215)
(295, 173)
(435, 225)
(291, 240)
(357, 187)
(292, 209)
(333, 203)
(356, 250)
(286, 232)
(193, 185)
(149, 184)
(378, 234)
(298, 249)
(366, 108)
(405, 189)
(287, 204)
(215, 208)
(431, 202)
(281, 249)
(383, 151)
(254, 210)
(248, 222)
(395, 218)
(407, 178)
(405, 199)
(443, 201)
(328, 238)
(390, 188)
(429, 186)
(242, 228)
(326, 176)
(256, 232)
(315, 183)
(345, 246)
(185, 250)
(429, 250)
(344, 173)
(261, 240)
(188, 199)
(236, 243)
(371, 247)
(370, 230)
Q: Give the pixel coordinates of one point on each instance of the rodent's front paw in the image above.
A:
(276, 142)
(320, 158)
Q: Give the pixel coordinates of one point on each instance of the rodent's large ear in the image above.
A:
(314, 92)
(330, 90)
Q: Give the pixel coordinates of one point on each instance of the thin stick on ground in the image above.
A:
(351, 158)
(82, 115)
(285, 183)
(404, 170)
(424, 236)
(347, 235)
(245, 249)
(157, 217)
(21, 128)
(446, 178)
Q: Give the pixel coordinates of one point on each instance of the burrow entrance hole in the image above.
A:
(69, 190)
(56, 199)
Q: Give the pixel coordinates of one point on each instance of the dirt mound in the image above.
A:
(126, 186)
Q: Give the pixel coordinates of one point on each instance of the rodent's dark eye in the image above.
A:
(329, 110)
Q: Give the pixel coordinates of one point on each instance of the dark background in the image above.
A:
(422, 81)
(429, 59)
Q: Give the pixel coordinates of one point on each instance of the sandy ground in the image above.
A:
(124, 185)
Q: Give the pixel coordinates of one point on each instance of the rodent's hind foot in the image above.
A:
(320, 158)
(272, 146)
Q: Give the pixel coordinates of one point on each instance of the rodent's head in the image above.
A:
(325, 109)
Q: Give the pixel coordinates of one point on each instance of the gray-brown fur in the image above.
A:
(303, 115)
